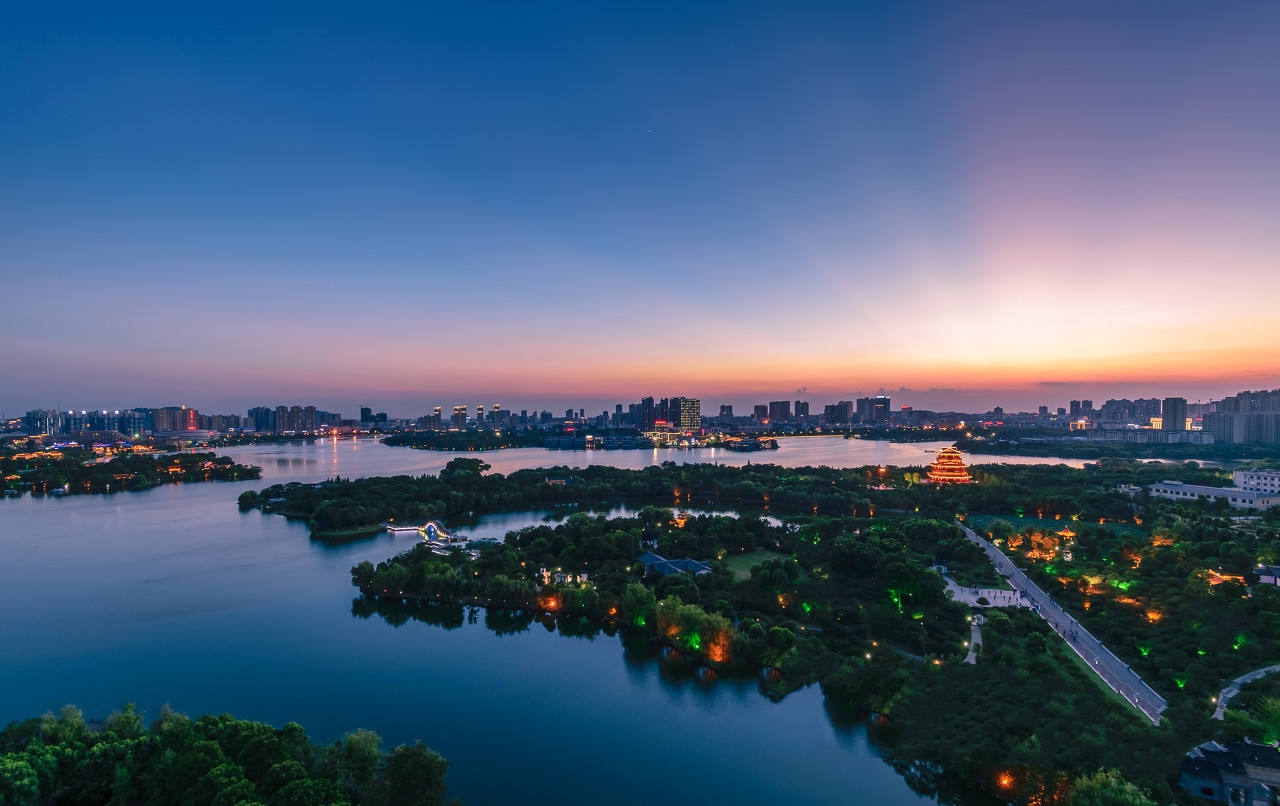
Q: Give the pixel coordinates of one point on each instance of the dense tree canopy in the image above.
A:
(210, 761)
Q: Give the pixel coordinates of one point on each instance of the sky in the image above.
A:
(543, 205)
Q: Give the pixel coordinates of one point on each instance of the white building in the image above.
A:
(1263, 481)
(1238, 498)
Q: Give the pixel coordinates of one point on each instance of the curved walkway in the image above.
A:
(1114, 672)
(1233, 689)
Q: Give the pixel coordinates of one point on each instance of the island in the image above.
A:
(69, 471)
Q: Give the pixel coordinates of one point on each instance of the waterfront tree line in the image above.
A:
(467, 440)
(1052, 443)
(77, 470)
(342, 506)
(211, 761)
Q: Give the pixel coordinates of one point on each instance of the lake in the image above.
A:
(174, 595)
(353, 458)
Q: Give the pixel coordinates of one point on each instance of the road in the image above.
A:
(1224, 697)
(1107, 666)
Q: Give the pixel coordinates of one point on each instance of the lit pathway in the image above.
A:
(1114, 672)
(975, 638)
(1234, 688)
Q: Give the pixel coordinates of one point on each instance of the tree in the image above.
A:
(1107, 788)
(414, 776)
(638, 606)
(1000, 529)
(1036, 644)
(355, 759)
(19, 784)
(126, 724)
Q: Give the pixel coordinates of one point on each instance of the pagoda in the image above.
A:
(949, 468)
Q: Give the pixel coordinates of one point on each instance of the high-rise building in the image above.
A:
(760, 413)
(779, 411)
(263, 418)
(648, 414)
(170, 418)
(1173, 414)
(459, 418)
(1044, 411)
(802, 409)
(673, 411)
(690, 414)
(726, 415)
(42, 421)
(135, 422)
(881, 408)
(874, 409)
(838, 413)
(366, 414)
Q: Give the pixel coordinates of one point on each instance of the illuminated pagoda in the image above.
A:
(949, 468)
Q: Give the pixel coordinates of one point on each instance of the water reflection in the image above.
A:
(239, 612)
(685, 681)
(356, 458)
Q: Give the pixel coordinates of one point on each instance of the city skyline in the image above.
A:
(1012, 206)
(814, 403)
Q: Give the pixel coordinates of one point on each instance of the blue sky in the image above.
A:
(423, 205)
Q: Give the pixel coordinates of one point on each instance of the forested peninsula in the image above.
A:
(835, 576)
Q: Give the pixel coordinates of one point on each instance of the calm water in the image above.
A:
(173, 595)
(366, 457)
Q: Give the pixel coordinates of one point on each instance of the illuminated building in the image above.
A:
(949, 468)
(874, 409)
(174, 418)
(690, 414)
(779, 411)
(761, 413)
(460, 418)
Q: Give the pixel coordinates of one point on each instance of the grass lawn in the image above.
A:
(740, 562)
(969, 579)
